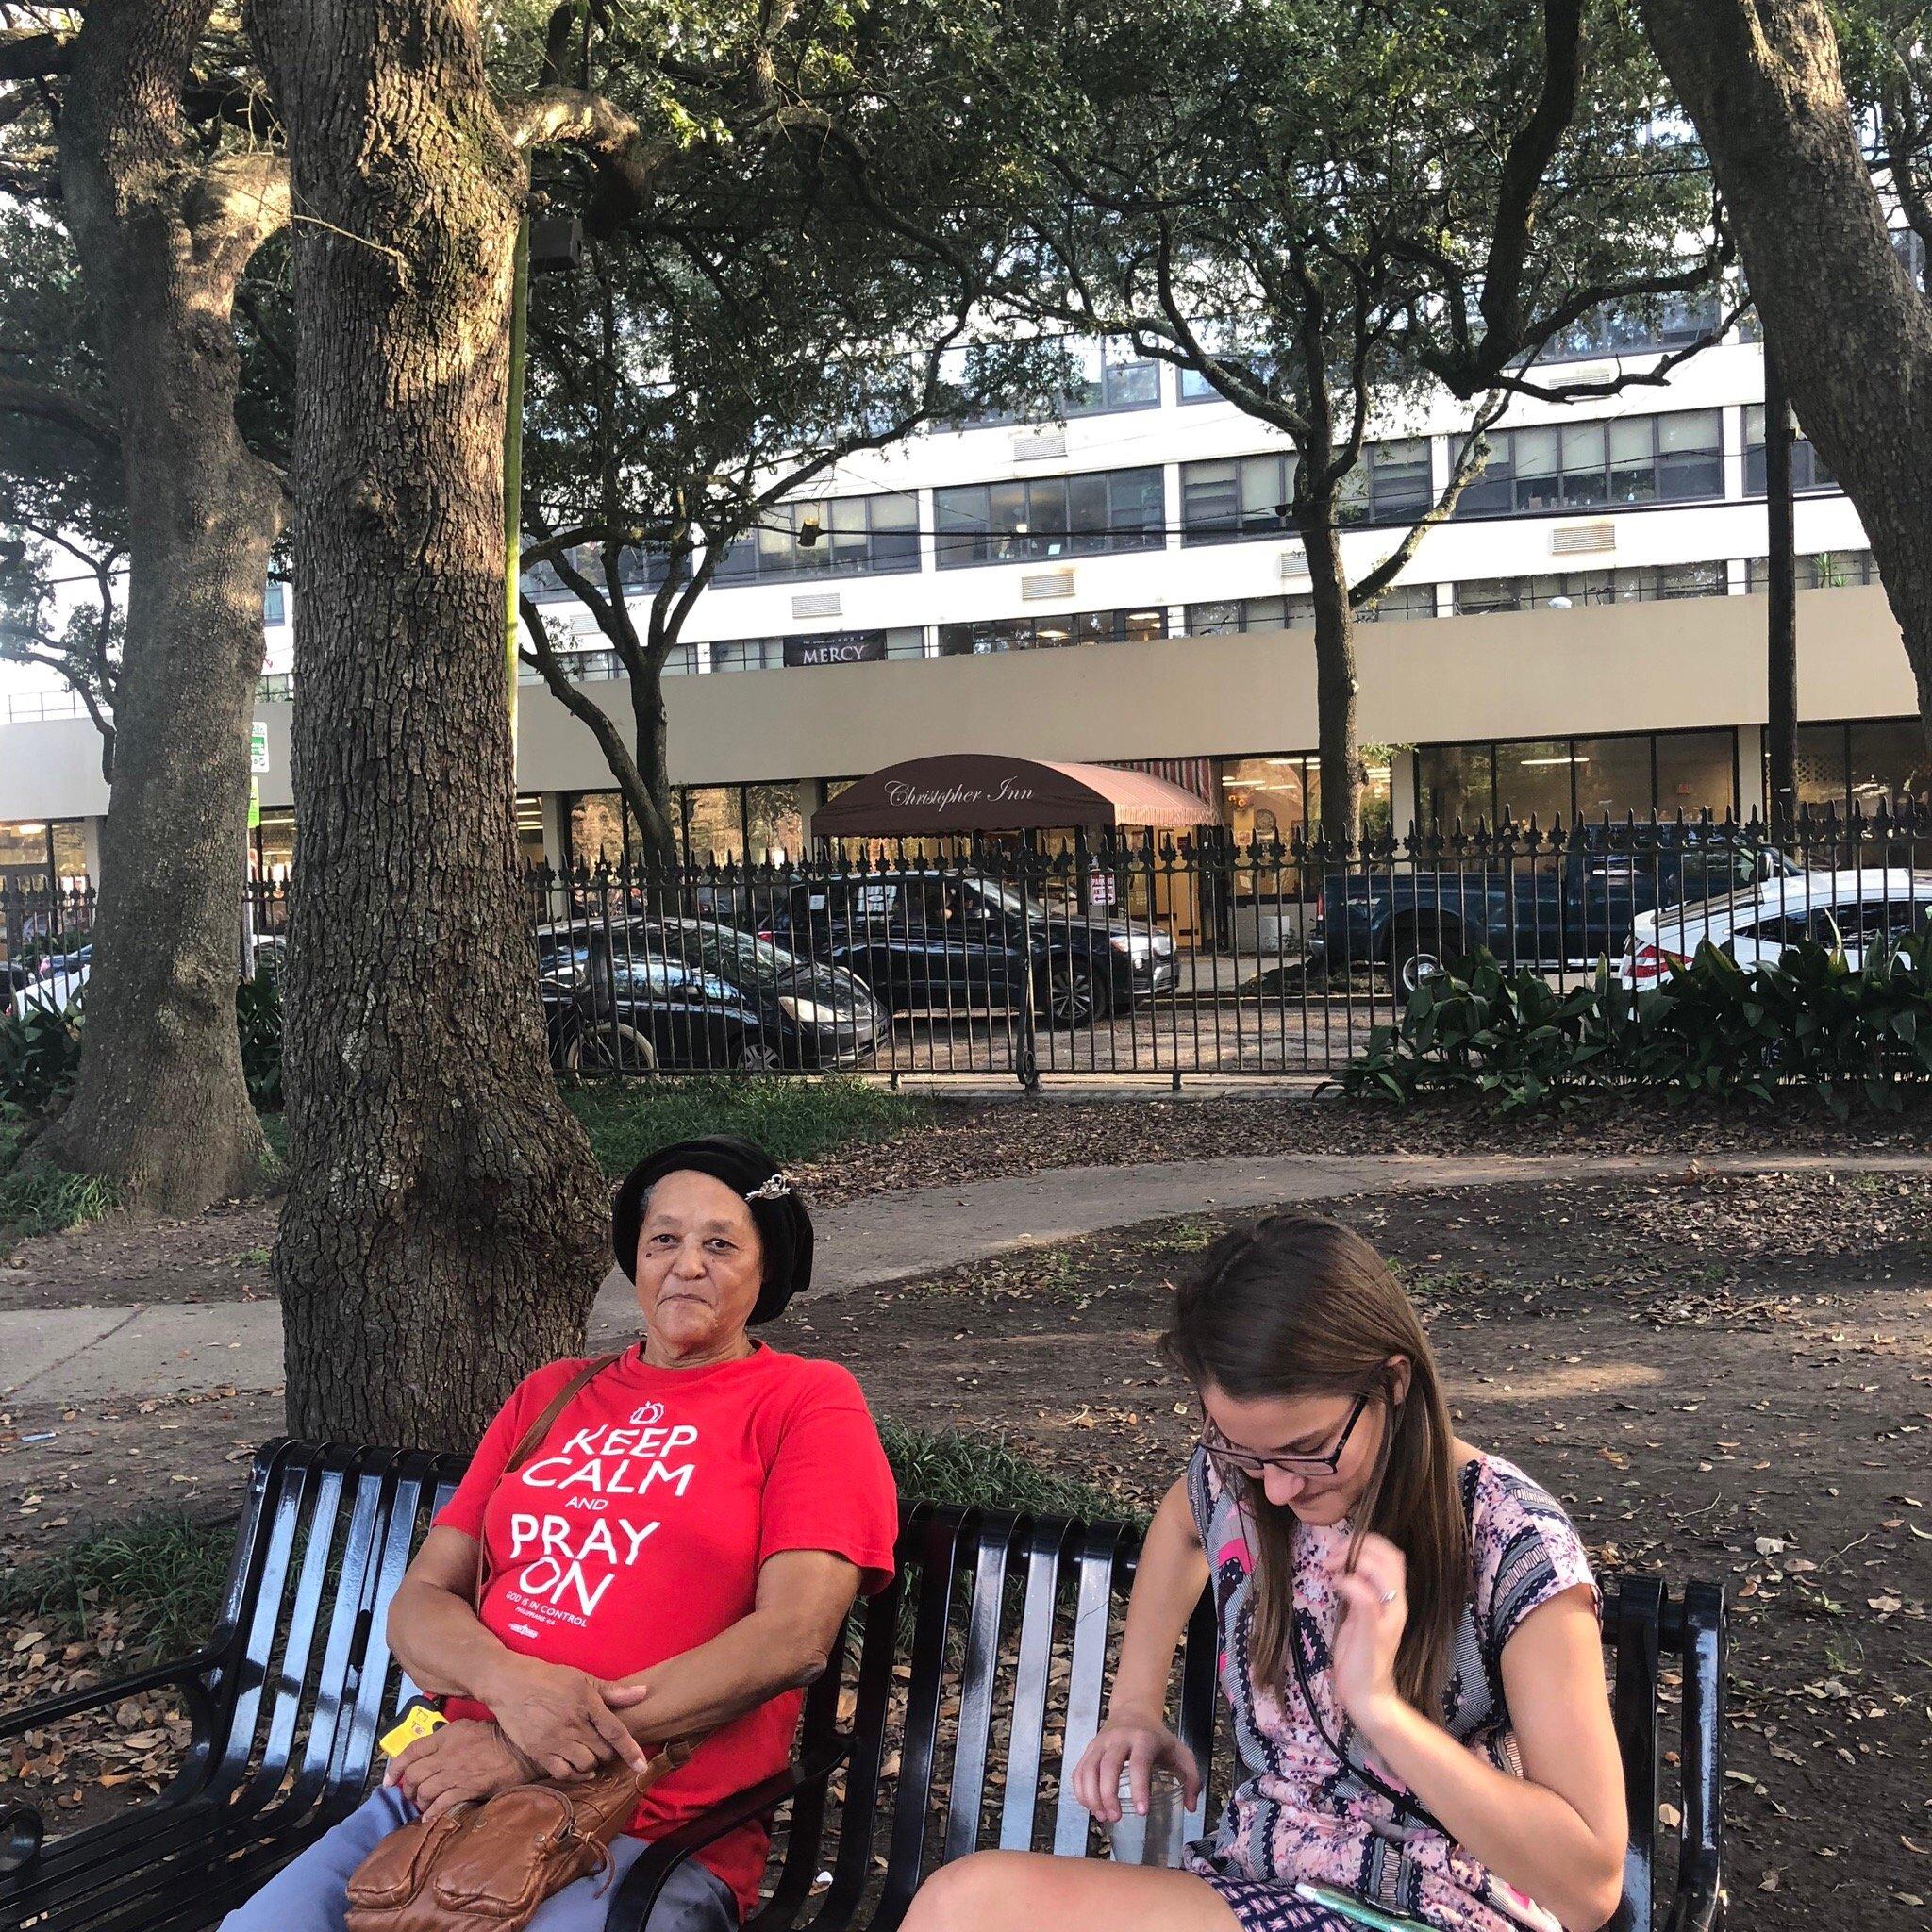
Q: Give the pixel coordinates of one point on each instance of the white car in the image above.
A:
(1846, 910)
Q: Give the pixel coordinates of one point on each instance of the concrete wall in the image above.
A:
(1625, 667)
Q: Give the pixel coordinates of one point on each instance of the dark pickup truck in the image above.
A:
(1553, 908)
(956, 941)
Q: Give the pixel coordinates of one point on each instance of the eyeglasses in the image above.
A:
(1233, 1461)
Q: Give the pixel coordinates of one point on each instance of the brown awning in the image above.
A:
(982, 792)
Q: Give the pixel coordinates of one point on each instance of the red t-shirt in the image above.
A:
(635, 1532)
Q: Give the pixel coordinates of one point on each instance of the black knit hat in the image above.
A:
(784, 1226)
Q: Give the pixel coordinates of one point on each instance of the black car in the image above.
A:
(691, 993)
(956, 941)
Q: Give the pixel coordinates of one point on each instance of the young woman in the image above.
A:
(1408, 1642)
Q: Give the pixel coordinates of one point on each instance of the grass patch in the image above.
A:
(162, 1571)
(46, 1200)
(987, 1473)
(791, 1119)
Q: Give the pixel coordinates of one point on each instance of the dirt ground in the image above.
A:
(1720, 1376)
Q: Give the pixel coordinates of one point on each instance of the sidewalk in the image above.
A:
(71, 1355)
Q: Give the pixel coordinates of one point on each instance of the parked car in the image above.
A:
(956, 941)
(1850, 911)
(1567, 907)
(693, 994)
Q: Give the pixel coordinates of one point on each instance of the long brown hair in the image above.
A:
(1299, 1304)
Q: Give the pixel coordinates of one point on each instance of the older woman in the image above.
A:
(676, 1557)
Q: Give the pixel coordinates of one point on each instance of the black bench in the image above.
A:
(980, 1671)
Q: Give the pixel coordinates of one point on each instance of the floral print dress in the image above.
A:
(1300, 1813)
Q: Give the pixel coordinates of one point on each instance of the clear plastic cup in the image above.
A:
(1157, 1836)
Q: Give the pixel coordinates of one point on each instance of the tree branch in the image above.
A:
(627, 159)
(20, 397)
(1468, 462)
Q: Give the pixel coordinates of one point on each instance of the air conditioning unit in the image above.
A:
(1294, 561)
(1036, 446)
(1570, 537)
(1049, 583)
(817, 604)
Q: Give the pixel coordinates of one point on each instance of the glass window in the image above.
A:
(714, 827)
(1049, 516)
(1668, 323)
(748, 654)
(988, 635)
(1697, 771)
(1268, 798)
(773, 825)
(842, 536)
(1398, 604)
(1808, 472)
(275, 842)
(275, 605)
(597, 828)
(1672, 459)
(1455, 781)
(1214, 620)
(1613, 776)
(1824, 769)
(1536, 776)
(1888, 765)
(1249, 496)
(530, 848)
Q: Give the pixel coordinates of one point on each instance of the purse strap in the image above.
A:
(528, 1445)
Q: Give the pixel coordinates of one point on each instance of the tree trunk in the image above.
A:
(446, 1222)
(1781, 600)
(160, 1107)
(1336, 683)
(1854, 337)
(656, 813)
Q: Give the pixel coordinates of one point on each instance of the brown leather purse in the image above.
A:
(487, 1866)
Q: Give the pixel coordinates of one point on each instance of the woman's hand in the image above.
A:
(1137, 1744)
(564, 1720)
(455, 1764)
(1375, 1613)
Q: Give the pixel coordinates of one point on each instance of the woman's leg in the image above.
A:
(1020, 1891)
(312, 1894)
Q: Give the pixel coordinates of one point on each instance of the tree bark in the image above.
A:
(160, 1107)
(1336, 682)
(445, 1221)
(1854, 337)
(1781, 600)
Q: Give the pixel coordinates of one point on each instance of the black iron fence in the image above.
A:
(1142, 955)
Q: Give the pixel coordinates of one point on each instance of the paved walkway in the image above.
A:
(74, 1355)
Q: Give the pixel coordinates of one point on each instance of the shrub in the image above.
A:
(1712, 1029)
(259, 1016)
(39, 1056)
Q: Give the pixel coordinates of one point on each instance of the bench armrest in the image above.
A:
(185, 1671)
(635, 1897)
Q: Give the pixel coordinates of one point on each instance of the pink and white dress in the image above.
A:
(1300, 1812)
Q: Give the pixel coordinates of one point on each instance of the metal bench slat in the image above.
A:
(1099, 1560)
(1048, 1541)
(978, 1679)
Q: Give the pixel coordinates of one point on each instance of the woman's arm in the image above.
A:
(561, 1719)
(1558, 1832)
(800, 1607)
(1168, 1582)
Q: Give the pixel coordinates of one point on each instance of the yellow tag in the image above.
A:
(417, 1722)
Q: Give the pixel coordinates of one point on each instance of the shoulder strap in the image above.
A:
(532, 1438)
(527, 1446)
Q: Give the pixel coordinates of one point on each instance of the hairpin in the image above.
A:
(774, 1189)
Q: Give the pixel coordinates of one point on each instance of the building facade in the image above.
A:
(1585, 636)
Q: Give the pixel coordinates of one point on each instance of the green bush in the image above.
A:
(791, 1119)
(39, 1056)
(1712, 1029)
(981, 1472)
(259, 1016)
